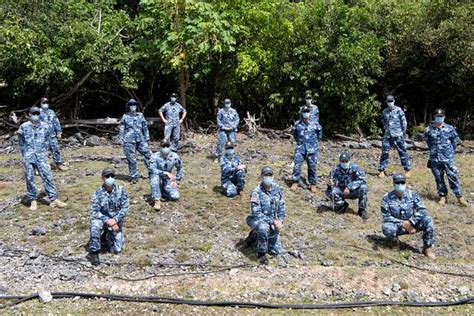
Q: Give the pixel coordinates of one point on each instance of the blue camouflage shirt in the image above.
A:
(442, 142)
(229, 166)
(159, 165)
(267, 206)
(34, 139)
(394, 122)
(409, 207)
(133, 128)
(307, 136)
(172, 111)
(351, 178)
(105, 205)
(49, 116)
(227, 119)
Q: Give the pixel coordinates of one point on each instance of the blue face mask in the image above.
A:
(229, 151)
(308, 101)
(109, 181)
(165, 151)
(439, 119)
(391, 104)
(45, 106)
(173, 100)
(35, 118)
(345, 165)
(267, 180)
(227, 105)
(399, 187)
(306, 115)
(133, 108)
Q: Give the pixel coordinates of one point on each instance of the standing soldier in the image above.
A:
(163, 182)
(108, 209)
(347, 181)
(314, 109)
(49, 116)
(307, 135)
(442, 140)
(233, 172)
(227, 123)
(404, 213)
(35, 142)
(266, 217)
(395, 127)
(172, 121)
(134, 136)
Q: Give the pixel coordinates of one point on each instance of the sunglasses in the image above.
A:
(35, 113)
(109, 176)
(400, 182)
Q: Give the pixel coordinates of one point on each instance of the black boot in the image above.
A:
(93, 257)
(363, 214)
(262, 258)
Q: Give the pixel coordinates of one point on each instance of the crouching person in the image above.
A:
(108, 208)
(404, 213)
(233, 172)
(266, 217)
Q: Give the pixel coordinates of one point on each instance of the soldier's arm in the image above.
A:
(179, 170)
(360, 180)
(122, 129)
(419, 209)
(426, 137)
(295, 131)
(455, 140)
(183, 110)
(319, 130)
(56, 124)
(21, 140)
(146, 133)
(236, 121)
(94, 209)
(281, 208)
(255, 208)
(227, 169)
(219, 120)
(387, 215)
(403, 121)
(123, 206)
(155, 171)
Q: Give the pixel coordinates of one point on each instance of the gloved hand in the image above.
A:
(408, 227)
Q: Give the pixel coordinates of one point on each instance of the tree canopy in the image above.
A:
(89, 57)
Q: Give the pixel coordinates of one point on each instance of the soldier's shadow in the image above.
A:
(247, 250)
(123, 177)
(429, 196)
(383, 242)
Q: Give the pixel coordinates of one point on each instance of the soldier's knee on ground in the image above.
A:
(174, 196)
(263, 229)
(389, 230)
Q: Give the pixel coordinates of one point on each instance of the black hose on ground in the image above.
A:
(179, 301)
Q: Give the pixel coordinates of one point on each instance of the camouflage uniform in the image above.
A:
(160, 183)
(49, 116)
(226, 118)
(232, 179)
(265, 208)
(409, 207)
(442, 143)
(134, 136)
(307, 136)
(352, 178)
(395, 126)
(172, 128)
(105, 206)
(35, 141)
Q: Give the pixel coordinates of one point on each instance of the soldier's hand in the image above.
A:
(278, 224)
(181, 121)
(170, 176)
(346, 193)
(408, 227)
(60, 135)
(111, 222)
(174, 185)
(241, 167)
(115, 227)
(165, 121)
(330, 182)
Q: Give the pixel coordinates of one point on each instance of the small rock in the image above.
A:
(39, 231)
(396, 287)
(79, 137)
(464, 290)
(326, 262)
(93, 141)
(33, 254)
(233, 272)
(45, 296)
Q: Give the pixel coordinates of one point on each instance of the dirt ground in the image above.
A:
(190, 249)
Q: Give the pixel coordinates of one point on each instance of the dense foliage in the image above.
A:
(90, 56)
